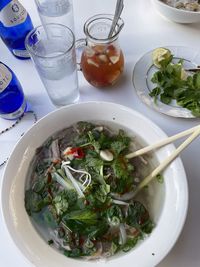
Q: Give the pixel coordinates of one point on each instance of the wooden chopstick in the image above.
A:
(167, 161)
(161, 143)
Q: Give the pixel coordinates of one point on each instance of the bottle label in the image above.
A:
(13, 14)
(5, 77)
(21, 53)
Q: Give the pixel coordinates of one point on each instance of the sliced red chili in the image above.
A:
(77, 152)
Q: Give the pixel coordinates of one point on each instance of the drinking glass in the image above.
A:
(56, 11)
(52, 50)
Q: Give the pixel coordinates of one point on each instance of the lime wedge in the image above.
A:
(159, 55)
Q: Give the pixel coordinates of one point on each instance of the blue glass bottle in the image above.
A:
(15, 24)
(12, 100)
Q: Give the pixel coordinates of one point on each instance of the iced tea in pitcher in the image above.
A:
(102, 60)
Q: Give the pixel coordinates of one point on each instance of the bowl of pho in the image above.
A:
(68, 191)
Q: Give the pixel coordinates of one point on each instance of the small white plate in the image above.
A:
(144, 70)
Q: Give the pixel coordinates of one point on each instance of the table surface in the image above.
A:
(144, 30)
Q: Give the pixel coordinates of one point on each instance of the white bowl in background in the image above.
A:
(169, 200)
(174, 14)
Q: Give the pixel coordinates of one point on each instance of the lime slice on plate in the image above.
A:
(159, 55)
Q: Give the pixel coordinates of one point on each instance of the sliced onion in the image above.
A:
(124, 197)
(118, 202)
(55, 150)
(123, 235)
(143, 160)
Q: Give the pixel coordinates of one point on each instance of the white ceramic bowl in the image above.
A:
(176, 15)
(168, 200)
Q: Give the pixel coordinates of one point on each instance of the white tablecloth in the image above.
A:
(144, 30)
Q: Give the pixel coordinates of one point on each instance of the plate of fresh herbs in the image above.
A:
(168, 80)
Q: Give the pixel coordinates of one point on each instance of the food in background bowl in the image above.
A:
(80, 193)
(186, 13)
(165, 201)
(190, 5)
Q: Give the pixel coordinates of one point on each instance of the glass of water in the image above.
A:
(56, 11)
(52, 50)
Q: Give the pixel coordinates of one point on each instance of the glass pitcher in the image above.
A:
(102, 61)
